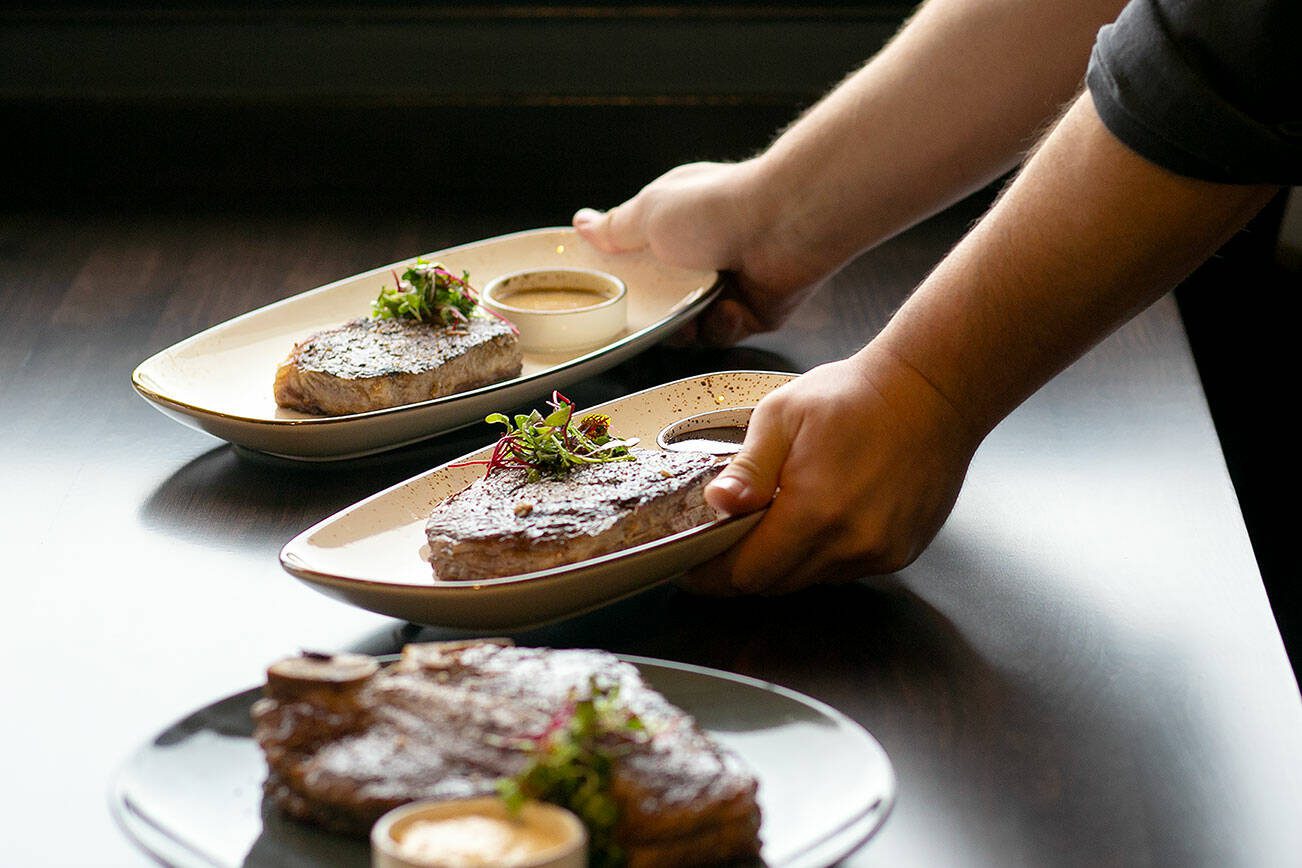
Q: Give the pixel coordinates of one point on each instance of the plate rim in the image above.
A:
(693, 306)
(120, 806)
(310, 575)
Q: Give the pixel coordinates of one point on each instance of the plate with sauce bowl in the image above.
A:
(220, 380)
(192, 795)
(374, 554)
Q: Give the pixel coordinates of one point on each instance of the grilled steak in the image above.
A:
(504, 525)
(346, 741)
(369, 364)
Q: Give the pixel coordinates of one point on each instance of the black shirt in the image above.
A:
(1211, 89)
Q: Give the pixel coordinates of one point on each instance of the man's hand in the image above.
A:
(866, 460)
(950, 104)
(712, 216)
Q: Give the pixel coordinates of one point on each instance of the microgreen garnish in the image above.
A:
(428, 292)
(553, 445)
(571, 764)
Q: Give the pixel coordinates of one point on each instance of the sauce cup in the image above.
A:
(466, 832)
(560, 309)
(718, 432)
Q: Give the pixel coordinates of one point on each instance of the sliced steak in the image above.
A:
(369, 364)
(504, 525)
(443, 722)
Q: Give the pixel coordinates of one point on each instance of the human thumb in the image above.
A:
(614, 231)
(750, 480)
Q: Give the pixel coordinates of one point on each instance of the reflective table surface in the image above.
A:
(1081, 670)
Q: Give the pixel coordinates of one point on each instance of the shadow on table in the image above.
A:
(232, 495)
(1005, 745)
(982, 745)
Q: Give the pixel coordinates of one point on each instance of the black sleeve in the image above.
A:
(1207, 89)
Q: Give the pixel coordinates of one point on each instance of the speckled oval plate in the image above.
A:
(373, 554)
(219, 381)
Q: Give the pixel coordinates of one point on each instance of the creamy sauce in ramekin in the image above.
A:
(475, 840)
(553, 298)
(471, 833)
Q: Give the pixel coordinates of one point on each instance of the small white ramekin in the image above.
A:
(571, 852)
(552, 331)
(677, 436)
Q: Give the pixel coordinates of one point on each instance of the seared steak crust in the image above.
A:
(504, 525)
(369, 364)
(442, 722)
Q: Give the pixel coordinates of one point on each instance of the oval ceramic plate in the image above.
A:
(193, 795)
(373, 554)
(219, 381)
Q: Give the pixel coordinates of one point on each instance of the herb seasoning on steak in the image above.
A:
(425, 339)
(505, 525)
(370, 364)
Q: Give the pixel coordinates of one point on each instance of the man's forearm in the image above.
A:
(949, 105)
(1086, 236)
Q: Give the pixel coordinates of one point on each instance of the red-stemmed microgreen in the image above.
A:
(571, 764)
(553, 445)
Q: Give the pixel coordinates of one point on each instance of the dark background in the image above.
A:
(372, 106)
(358, 103)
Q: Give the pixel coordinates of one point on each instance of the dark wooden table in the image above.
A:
(1082, 670)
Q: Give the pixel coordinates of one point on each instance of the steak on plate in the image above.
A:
(370, 364)
(505, 525)
(347, 740)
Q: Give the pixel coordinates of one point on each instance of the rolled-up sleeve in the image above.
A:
(1211, 90)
